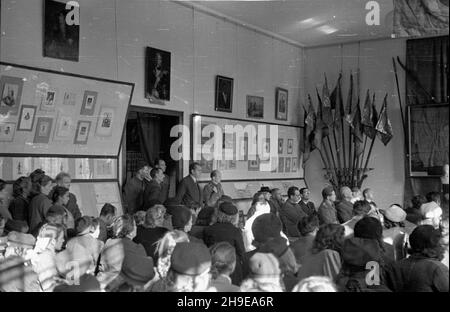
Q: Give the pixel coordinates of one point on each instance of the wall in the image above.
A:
(375, 63)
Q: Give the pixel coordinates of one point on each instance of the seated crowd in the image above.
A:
(198, 241)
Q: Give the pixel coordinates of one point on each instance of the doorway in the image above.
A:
(147, 138)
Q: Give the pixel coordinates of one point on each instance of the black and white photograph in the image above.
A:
(61, 30)
(157, 74)
(82, 132)
(290, 146)
(89, 103)
(26, 118)
(255, 106)
(281, 104)
(105, 121)
(43, 130)
(7, 131)
(224, 94)
(10, 94)
(280, 146)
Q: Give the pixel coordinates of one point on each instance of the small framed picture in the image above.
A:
(281, 100)
(105, 121)
(281, 164)
(224, 94)
(254, 165)
(43, 130)
(26, 118)
(64, 126)
(157, 74)
(11, 93)
(48, 100)
(287, 165)
(294, 164)
(7, 131)
(280, 146)
(82, 132)
(255, 106)
(89, 101)
(69, 98)
(290, 146)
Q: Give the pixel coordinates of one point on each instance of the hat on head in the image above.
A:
(264, 265)
(264, 189)
(359, 251)
(277, 246)
(17, 239)
(368, 227)
(395, 214)
(430, 210)
(266, 226)
(180, 217)
(190, 258)
(228, 209)
(205, 215)
(424, 236)
(83, 225)
(327, 191)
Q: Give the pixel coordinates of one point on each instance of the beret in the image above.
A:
(395, 214)
(266, 226)
(190, 258)
(180, 217)
(228, 208)
(18, 239)
(83, 225)
(264, 265)
(264, 189)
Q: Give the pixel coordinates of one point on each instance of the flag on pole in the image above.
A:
(327, 115)
(318, 127)
(350, 102)
(384, 127)
(357, 130)
(309, 121)
(369, 117)
(319, 120)
(338, 104)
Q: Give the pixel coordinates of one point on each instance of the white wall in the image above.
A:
(377, 74)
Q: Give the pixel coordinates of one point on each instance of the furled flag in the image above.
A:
(320, 121)
(369, 117)
(327, 115)
(338, 104)
(357, 130)
(319, 127)
(310, 121)
(351, 100)
(384, 127)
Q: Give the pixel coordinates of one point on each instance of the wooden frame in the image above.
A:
(281, 104)
(255, 107)
(224, 94)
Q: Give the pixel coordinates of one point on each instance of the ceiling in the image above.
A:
(307, 22)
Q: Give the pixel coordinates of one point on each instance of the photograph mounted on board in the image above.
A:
(105, 121)
(64, 126)
(82, 133)
(43, 130)
(224, 94)
(61, 30)
(26, 118)
(255, 106)
(157, 74)
(280, 146)
(281, 101)
(7, 131)
(11, 93)
(89, 101)
(290, 146)
(46, 98)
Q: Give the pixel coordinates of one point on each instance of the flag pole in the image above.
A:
(399, 96)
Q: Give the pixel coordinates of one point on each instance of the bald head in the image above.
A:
(346, 193)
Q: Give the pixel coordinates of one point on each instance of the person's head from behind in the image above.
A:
(328, 194)
(19, 244)
(60, 195)
(22, 187)
(369, 228)
(308, 225)
(223, 259)
(434, 197)
(124, 227)
(63, 179)
(161, 164)
(361, 208)
(190, 268)
(315, 284)
(417, 201)
(293, 194)
(108, 213)
(265, 227)
(346, 193)
(356, 193)
(426, 241)
(305, 193)
(258, 198)
(227, 213)
(157, 174)
(143, 170)
(167, 243)
(368, 194)
(265, 274)
(50, 237)
(56, 215)
(195, 170)
(266, 191)
(139, 217)
(155, 216)
(44, 185)
(329, 236)
(182, 219)
(394, 216)
(276, 194)
(216, 176)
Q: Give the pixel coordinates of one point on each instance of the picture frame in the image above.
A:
(281, 164)
(82, 132)
(11, 95)
(157, 74)
(26, 118)
(254, 165)
(294, 164)
(43, 130)
(46, 98)
(281, 104)
(287, 165)
(60, 42)
(69, 98)
(255, 107)
(64, 126)
(280, 146)
(290, 146)
(89, 102)
(7, 131)
(224, 94)
(105, 121)
(104, 169)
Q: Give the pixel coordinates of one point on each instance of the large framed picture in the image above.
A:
(281, 104)
(11, 93)
(157, 74)
(26, 118)
(428, 139)
(82, 133)
(255, 106)
(224, 94)
(61, 30)
(43, 130)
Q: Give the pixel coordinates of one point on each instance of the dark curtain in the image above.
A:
(426, 84)
(149, 131)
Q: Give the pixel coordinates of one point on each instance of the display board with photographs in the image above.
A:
(54, 113)
(261, 151)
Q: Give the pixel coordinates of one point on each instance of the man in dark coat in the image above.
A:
(327, 211)
(63, 179)
(133, 190)
(189, 193)
(153, 189)
(306, 205)
(291, 213)
(165, 185)
(344, 208)
(213, 191)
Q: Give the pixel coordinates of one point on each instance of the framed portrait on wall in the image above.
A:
(105, 121)
(26, 118)
(7, 131)
(82, 132)
(224, 94)
(69, 98)
(89, 101)
(294, 164)
(43, 130)
(254, 165)
(157, 74)
(281, 164)
(290, 146)
(11, 93)
(46, 99)
(64, 125)
(280, 146)
(61, 30)
(287, 165)
(281, 103)
(255, 106)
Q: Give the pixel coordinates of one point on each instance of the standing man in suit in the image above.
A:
(327, 211)
(213, 191)
(291, 213)
(134, 189)
(165, 185)
(153, 190)
(306, 205)
(63, 179)
(189, 193)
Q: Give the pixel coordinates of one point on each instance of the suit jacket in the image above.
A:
(165, 187)
(344, 211)
(327, 213)
(210, 197)
(153, 191)
(308, 208)
(38, 208)
(134, 194)
(275, 206)
(189, 193)
(290, 215)
(19, 209)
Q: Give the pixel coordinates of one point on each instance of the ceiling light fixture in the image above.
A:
(327, 29)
